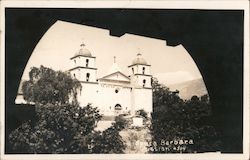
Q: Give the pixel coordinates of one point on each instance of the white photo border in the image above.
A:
(219, 4)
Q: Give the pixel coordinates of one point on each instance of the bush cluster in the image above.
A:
(174, 119)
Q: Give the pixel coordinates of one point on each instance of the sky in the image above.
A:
(170, 65)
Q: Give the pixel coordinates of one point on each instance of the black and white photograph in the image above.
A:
(167, 80)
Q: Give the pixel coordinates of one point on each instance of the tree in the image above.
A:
(108, 141)
(175, 122)
(60, 126)
(66, 129)
(120, 123)
(162, 96)
(59, 129)
(48, 86)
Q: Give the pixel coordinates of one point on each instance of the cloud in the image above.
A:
(170, 78)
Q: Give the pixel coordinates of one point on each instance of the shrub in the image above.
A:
(108, 141)
(120, 123)
(142, 113)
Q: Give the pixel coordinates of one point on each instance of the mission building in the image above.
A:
(115, 93)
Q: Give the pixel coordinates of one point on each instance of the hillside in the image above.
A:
(189, 88)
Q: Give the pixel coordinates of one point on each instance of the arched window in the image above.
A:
(87, 62)
(144, 82)
(74, 75)
(132, 70)
(143, 70)
(118, 107)
(75, 61)
(87, 77)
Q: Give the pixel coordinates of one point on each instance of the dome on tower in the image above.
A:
(83, 51)
(139, 60)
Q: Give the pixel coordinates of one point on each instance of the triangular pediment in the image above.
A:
(117, 76)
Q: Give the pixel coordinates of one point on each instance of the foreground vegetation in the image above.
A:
(63, 126)
(181, 125)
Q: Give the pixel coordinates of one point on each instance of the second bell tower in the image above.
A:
(83, 65)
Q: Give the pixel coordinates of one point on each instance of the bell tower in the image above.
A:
(141, 88)
(83, 65)
(139, 72)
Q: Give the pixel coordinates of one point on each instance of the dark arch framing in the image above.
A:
(210, 36)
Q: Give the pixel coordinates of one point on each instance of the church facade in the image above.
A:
(114, 93)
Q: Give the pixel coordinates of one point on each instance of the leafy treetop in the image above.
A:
(48, 86)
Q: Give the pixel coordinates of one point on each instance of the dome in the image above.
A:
(139, 60)
(83, 51)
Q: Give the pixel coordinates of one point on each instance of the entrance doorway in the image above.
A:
(118, 109)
